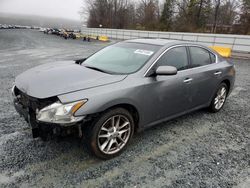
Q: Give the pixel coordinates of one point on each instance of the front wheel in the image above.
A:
(111, 133)
(219, 98)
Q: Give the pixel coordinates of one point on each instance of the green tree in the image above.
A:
(166, 19)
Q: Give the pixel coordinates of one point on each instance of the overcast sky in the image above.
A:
(51, 8)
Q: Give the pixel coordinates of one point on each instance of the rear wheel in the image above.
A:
(111, 133)
(219, 98)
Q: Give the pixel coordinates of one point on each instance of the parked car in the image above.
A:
(70, 33)
(48, 31)
(67, 33)
(61, 32)
(55, 31)
(42, 29)
(77, 35)
(4, 26)
(122, 89)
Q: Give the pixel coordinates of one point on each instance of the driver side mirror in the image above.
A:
(166, 70)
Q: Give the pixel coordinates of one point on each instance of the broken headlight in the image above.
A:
(60, 113)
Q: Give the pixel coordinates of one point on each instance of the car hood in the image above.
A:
(58, 78)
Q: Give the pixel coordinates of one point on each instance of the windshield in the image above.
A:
(121, 58)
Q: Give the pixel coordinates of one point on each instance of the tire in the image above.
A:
(219, 99)
(105, 137)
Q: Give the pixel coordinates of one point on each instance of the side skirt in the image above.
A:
(143, 127)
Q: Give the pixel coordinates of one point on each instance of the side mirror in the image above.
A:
(166, 70)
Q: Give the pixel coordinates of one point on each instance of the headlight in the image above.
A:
(60, 113)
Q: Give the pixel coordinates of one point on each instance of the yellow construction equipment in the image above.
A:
(223, 51)
(104, 38)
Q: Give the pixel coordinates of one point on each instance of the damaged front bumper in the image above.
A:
(24, 112)
(27, 106)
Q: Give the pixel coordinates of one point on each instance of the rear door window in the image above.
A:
(199, 57)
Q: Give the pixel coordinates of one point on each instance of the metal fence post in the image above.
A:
(214, 40)
(233, 43)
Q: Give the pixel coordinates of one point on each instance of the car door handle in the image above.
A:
(217, 73)
(188, 80)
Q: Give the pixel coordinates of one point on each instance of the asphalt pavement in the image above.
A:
(200, 149)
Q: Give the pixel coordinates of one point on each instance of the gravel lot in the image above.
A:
(197, 150)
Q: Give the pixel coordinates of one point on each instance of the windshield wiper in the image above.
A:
(95, 68)
(101, 70)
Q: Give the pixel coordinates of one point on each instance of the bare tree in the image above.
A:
(175, 15)
(108, 13)
(245, 17)
(216, 12)
(147, 14)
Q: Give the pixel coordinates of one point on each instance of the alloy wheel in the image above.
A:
(220, 98)
(114, 134)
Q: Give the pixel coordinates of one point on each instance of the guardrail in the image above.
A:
(238, 43)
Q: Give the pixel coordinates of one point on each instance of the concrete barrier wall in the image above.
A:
(238, 43)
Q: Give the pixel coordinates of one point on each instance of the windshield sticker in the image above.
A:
(144, 52)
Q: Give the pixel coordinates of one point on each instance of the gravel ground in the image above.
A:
(196, 150)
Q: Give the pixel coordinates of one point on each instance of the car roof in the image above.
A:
(167, 43)
(164, 42)
(160, 42)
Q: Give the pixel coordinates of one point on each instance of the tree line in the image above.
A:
(214, 16)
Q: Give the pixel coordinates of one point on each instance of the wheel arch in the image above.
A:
(131, 109)
(227, 82)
